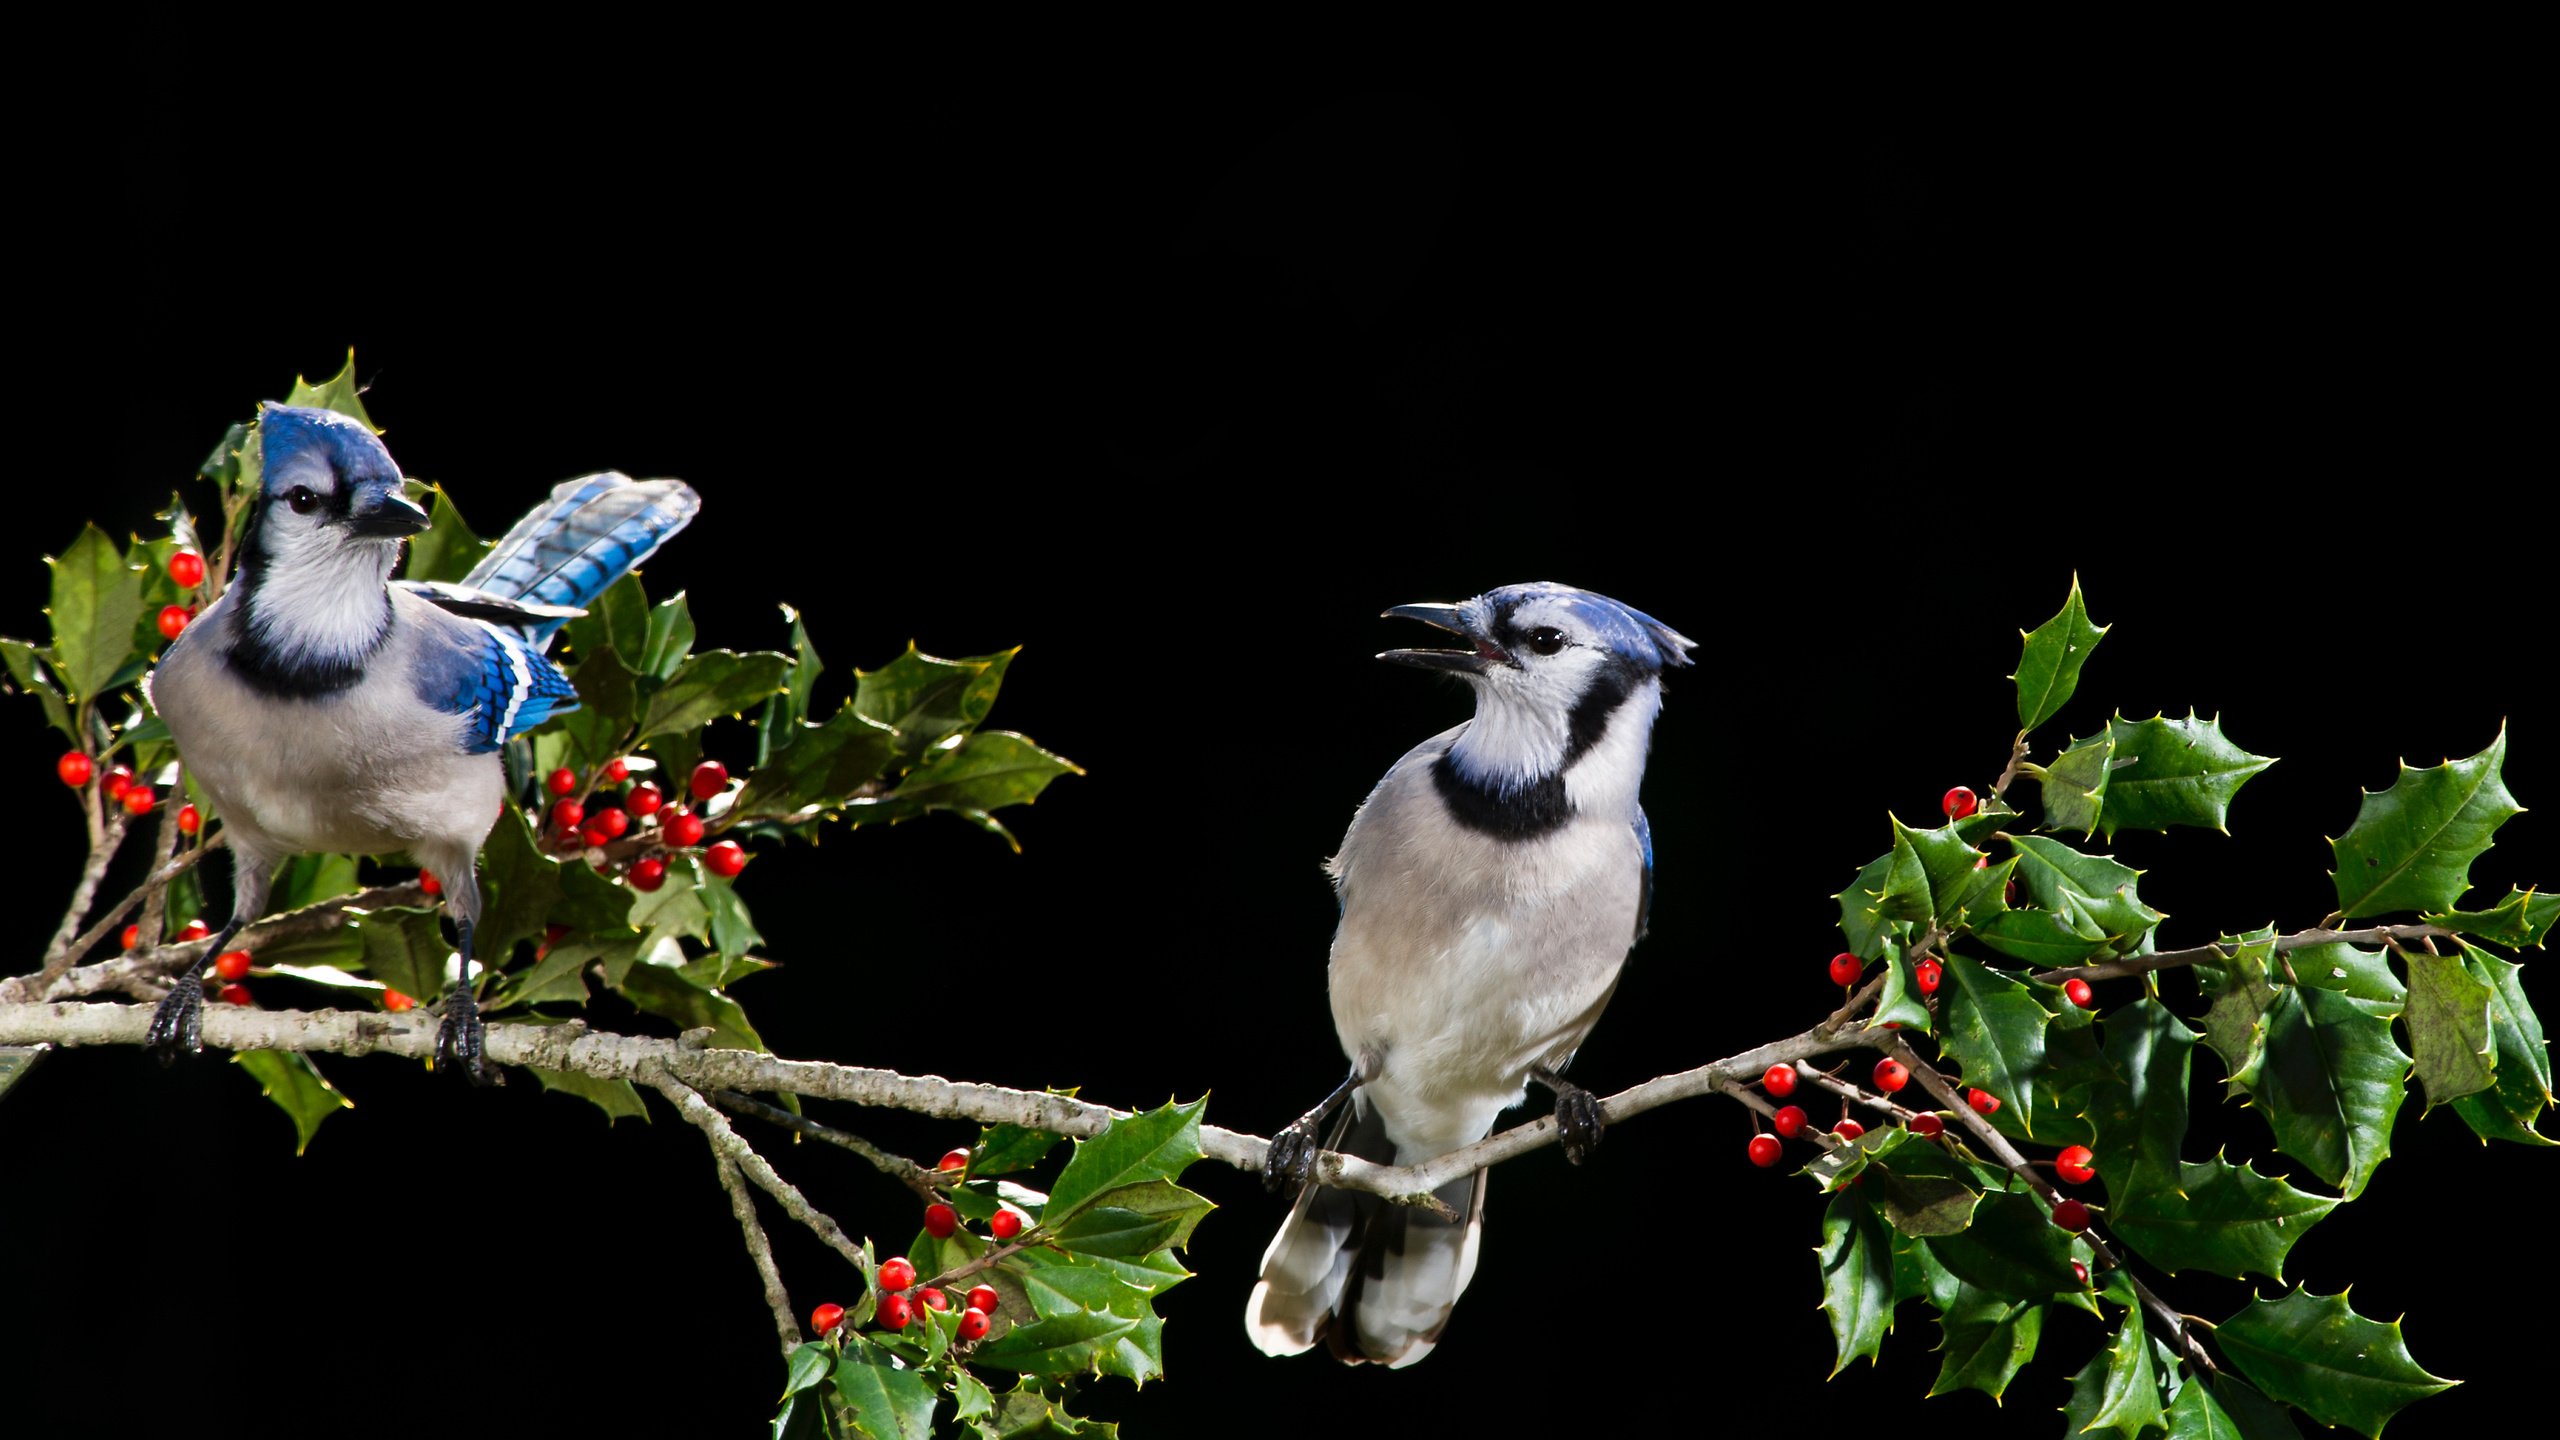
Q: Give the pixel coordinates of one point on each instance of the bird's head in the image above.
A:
(1553, 668)
(327, 485)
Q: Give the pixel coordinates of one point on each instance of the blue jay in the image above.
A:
(1490, 887)
(325, 708)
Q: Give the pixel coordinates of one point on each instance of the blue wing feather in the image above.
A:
(1644, 895)
(500, 682)
(568, 549)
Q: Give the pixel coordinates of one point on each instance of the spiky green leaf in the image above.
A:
(2074, 786)
(1152, 1145)
(2142, 1120)
(2091, 892)
(670, 639)
(297, 1087)
(2011, 1249)
(29, 674)
(2049, 663)
(1133, 1220)
(709, 685)
(616, 1098)
(404, 948)
(2522, 919)
(1857, 1278)
(2448, 1020)
(2412, 845)
(446, 550)
(1899, 1003)
(820, 765)
(617, 620)
(1994, 1028)
(2330, 1084)
(927, 699)
(339, 392)
(2508, 1110)
(2128, 1393)
(2315, 1353)
(888, 1403)
(1984, 1340)
(2214, 1215)
(95, 605)
(1863, 922)
(2235, 1024)
(982, 772)
(2174, 772)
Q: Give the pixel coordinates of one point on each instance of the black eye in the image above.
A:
(1546, 639)
(303, 499)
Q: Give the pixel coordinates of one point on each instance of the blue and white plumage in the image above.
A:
(1490, 885)
(324, 707)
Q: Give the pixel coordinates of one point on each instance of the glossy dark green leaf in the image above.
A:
(1133, 1220)
(666, 992)
(2315, 1353)
(1899, 1002)
(821, 765)
(520, 887)
(2075, 1068)
(310, 879)
(96, 604)
(2349, 970)
(2011, 1249)
(1863, 922)
(446, 550)
(2448, 1020)
(888, 1403)
(2253, 1416)
(1984, 1340)
(2174, 772)
(1994, 1028)
(1067, 1344)
(670, 637)
(2074, 786)
(808, 1365)
(608, 702)
(2330, 1084)
(2128, 1398)
(29, 674)
(927, 699)
(2508, 1110)
(1033, 1410)
(1153, 1145)
(2412, 845)
(709, 685)
(616, 1098)
(1932, 872)
(340, 392)
(2049, 664)
(617, 620)
(1857, 1278)
(2523, 918)
(403, 948)
(2214, 1216)
(986, 771)
(2042, 938)
(2235, 1023)
(297, 1087)
(1007, 1149)
(2143, 1121)
(731, 928)
(1923, 1205)
(775, 729)
(2091, 892)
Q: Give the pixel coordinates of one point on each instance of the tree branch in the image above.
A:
(2215, 954)
(897, 1167)
(760, 1250)
(144, 973)
(733, 1149)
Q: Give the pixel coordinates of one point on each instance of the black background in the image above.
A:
(1177, 389)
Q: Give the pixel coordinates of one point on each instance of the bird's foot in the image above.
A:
(1286, 1165)
(178, 1025)
(461, 1039)
(1578, 1122)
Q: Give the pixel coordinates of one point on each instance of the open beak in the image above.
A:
(387, 515)
(1481, 655)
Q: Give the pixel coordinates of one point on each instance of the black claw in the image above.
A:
(1291, 1159)
(461, 1039)
(1578, 1122)
(178, 1025)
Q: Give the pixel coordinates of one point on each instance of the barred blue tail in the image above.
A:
(567, 549)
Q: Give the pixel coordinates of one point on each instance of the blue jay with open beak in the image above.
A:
(1490, 888)
(323, 707)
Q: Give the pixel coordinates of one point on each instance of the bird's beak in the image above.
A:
(387, 515)
(1476, 661)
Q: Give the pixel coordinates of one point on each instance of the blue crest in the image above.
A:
(1628, 632)
(292, 437)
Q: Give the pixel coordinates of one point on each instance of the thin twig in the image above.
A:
(155, 904)
(2216, 954)
(2017, 756)
(1036, 1239)
(734, 1147)
(48, 982)
(760, 1250)
(897, 1167)
(106, 832)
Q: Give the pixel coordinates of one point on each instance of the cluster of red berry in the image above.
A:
(1790, 1121)
(186, 567)
(576, 825)
(899, 1296)
(231, 966)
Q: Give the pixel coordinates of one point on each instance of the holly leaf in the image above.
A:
(818, 766)
(709, 685)
(2315, 1353)
(983, 772)
(95, 605)
(1994, 1028)
(617, 620)
(1133, 1220)
(1899, 1003)
(2142, 1120)
(1863, 922)
(2049, 663)
(1921, 1204)
(2214, 1216)
(2128, 1394)
(520, 886)
(608, 698)
(790, 704)
(404, 948)
(1929, 875)
(310, 879)
(2074, 786)
(1071, 1343)
(2091, 892)
(339, 392)
(2330, 1084)
(927, 699)
(2522, 919)
(2235, 1024)
(297, 1087)
(670, 639)
(616, 1098)
(2043, 938)
(2196, 1415)
(2448, 1020)
(2412, 845)
(1984, 1340)
(447, 549)
(2507, 1110)
(2253, 1416)
(2339, 966)
(28, 673)
(2174, 772)
(664, 991)
(2011, 1249)
(731, 930)
(888, 1403)
(1006, 1149)
(1153, 1145)
(1857, 1278)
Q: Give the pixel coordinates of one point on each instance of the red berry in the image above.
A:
(973, 1324)
(2071, 1215)
(132, 936)
(394, 1001)
(2075, 1164)
(684, 829)
(726, 859)
(2080, 1272)
(554, 933)
(1927, 1125)
(138, 799)
(596, 835)
(119, 780)
(645, 799)
(186, 567)
(1765, 1150)
(235, 995)
(1848, 1129)
(2009, 894)
(826, 1318)
(648, 873)
(190, 819)
(1890, 1076)
(568, 815)
(895, 1312)
(940, 1220)
(983, 1298)
(1790, 1120)
(2078, 992)
(1959, 803)
(934, 1299)
(1006, 1224)
(614, 821)
(709, 779)
(193, 930)
(75, 768)
(615, 771)
(232, 965)
(173, 619)
(563, 781)
(1846, 968)
(1929, 974)
(897, 1273)
(428, 882)
(1983, 1102)
(1780, 1081)
(953, 1160)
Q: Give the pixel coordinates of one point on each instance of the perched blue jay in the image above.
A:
(1490, 887)
(325, 708)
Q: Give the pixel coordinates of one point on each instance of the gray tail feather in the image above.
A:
(1372, 1279)
(588, 534)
